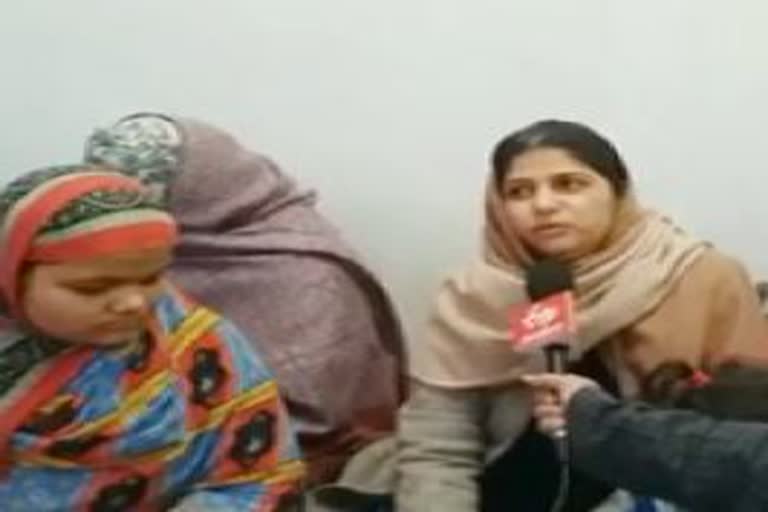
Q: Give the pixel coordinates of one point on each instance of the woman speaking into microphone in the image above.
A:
(645, 292)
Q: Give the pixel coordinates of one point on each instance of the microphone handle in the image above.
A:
(557, 358)
(557, 362)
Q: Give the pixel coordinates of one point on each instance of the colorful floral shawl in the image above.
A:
(183, 417)
(189, 415)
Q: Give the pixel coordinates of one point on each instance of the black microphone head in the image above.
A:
(547, 277)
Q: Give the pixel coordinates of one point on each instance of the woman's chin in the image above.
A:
(559, 250)
(114, 339)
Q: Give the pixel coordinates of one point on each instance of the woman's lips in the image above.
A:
(551, 230)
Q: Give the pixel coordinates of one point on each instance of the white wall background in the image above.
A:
(390, 107)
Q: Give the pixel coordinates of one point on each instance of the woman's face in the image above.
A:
(101, 301)
(560, 207)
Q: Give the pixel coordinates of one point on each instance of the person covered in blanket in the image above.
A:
(117, 392)
(254, 246)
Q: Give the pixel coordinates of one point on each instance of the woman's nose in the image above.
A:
(544, 199)
(130, 302)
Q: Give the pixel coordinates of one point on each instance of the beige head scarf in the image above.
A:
(467, 343)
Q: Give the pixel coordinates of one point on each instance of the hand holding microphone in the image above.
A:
(552, 394)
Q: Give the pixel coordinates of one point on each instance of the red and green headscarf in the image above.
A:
(70, 213)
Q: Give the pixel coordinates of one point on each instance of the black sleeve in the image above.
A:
(683, 457)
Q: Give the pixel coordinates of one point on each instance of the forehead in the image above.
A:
(541, 163)
(124, 265)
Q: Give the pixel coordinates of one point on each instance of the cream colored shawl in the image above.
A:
(467, 343)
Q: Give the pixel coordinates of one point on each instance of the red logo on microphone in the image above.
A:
(536, 324)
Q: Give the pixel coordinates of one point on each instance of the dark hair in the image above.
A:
(762, 291)
(736, 391)
(581, 142)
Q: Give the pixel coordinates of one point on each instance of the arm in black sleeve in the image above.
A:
(683, 457)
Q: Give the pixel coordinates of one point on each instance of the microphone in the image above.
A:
(551, 281)
(547, 323)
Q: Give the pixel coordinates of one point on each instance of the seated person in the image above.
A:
(645, 292)
(117, 391)
(253, 246)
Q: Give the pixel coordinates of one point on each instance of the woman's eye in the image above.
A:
(518, 192)
(88, 290)
(570, 184)
(152, 280)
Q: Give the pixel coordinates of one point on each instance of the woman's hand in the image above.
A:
(551, 396)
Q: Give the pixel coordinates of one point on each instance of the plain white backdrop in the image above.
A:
(390, 108)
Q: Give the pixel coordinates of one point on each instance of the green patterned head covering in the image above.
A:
(145, 146)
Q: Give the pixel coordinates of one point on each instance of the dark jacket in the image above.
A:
(695, 461)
